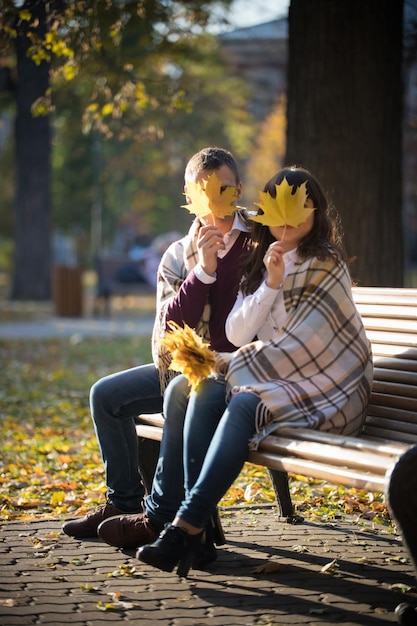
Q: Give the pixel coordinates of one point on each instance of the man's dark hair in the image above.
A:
(210, 159)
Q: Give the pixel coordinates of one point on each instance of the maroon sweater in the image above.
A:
(188, 305)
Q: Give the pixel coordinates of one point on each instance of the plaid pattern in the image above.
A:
(317, 373)
(177, 262)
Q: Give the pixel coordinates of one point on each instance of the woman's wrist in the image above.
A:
(272, 284)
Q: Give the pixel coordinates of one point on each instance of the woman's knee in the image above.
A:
(210, 395)
(242, 409)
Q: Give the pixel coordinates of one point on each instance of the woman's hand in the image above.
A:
(222, 361)
(274, 265)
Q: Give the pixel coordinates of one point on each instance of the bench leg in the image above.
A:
(401, 497)
(148, 459)
(282, 493)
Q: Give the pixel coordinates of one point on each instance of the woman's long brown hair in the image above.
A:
(323, 241)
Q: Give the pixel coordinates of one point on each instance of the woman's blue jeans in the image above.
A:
(216, 446)
(115, 401)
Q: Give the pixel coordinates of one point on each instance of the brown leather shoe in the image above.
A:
(128, 531)
(87, 526)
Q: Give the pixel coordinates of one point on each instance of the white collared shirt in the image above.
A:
(260, 314)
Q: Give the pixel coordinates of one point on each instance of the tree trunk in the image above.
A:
(32, 254)
(344, 122)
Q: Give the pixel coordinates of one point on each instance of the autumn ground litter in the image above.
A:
(50, 464)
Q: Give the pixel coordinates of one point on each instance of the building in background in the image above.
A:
(259, 54)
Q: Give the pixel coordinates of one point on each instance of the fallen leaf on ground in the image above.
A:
(269, 567)
(330, 568)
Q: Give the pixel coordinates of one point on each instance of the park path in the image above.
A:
(269, 573)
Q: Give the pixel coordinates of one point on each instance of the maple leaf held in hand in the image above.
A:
(190, 355)
(286, 209)
(208, 198)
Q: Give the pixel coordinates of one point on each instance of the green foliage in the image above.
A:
(139, 174)
(127, 47)
(135, 89)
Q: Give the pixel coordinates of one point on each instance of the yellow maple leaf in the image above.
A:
(208, 198)
(286, 209)
(190, 355)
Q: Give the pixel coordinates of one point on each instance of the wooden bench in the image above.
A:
(390, 428)
(120, 276)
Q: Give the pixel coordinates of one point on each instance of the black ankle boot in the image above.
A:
(174, 546)
(206, 551)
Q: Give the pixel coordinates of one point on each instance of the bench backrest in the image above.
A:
(390, 319)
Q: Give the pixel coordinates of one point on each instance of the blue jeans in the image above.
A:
(204, 411)
(115, 401)
(216, 448)
(168, 484)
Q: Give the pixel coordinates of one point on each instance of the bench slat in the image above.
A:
(385, 295)
(400, 363)
(332, 454)
(391, 325)
(293, 465)
(393, 375)
(397, 403)
(380, 446)
(390, 424)
(395, 435)
(396, 309)
(146, 422)
(339, 475)
(152, 419)
(149, 432)
(400, 340)
(395, 390)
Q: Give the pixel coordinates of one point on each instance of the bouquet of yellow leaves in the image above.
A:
(190, 355)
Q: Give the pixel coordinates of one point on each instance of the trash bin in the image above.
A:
(67, 290)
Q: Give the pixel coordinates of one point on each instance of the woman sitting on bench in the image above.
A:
(305, 360)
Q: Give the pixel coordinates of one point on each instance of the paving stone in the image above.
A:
(49, 578)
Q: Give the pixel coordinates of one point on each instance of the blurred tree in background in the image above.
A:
(136, 87)
(129, 90)
(137, 174)
(344, 116)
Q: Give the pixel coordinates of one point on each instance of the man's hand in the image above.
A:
(209, 242)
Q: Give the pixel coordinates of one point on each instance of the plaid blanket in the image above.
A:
(317, 373)
(177, 262)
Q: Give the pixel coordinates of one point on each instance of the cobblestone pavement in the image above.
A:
(49, 578)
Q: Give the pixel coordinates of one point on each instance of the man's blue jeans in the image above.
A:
(168, 484)
(115, 401)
